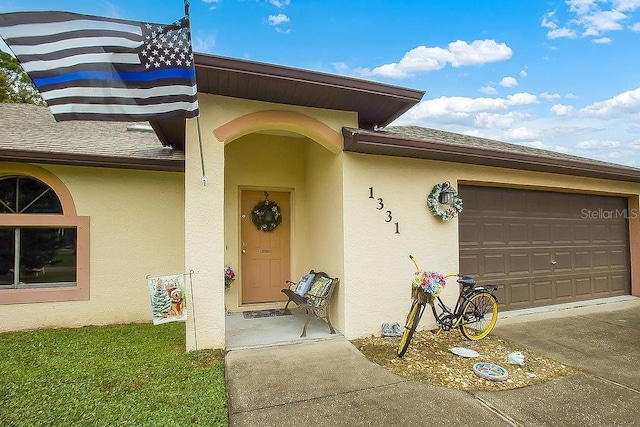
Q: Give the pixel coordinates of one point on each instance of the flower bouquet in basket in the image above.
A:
(426, 286)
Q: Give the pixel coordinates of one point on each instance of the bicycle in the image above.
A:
(475, 313)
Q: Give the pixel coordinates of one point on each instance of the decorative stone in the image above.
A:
(490, 371)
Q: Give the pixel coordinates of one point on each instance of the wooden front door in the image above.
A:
(265, 255)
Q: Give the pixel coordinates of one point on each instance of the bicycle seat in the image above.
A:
(467, 281)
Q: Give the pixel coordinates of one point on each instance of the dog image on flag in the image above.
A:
(167, 299)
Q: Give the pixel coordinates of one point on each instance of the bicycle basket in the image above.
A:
(418, 294)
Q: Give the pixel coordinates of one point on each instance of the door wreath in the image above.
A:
(266, 215)
(433, 202)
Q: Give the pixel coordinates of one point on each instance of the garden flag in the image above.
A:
(95, 68)
(167, 299)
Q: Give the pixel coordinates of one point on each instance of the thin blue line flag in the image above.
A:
(95, 68)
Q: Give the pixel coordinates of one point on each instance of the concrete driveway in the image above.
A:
(330, 383)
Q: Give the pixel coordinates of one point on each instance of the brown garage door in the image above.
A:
(543, 247)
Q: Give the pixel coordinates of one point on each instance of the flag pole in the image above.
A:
(204, 174)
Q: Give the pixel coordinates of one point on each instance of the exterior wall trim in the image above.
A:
(69, 217)
(280, 120)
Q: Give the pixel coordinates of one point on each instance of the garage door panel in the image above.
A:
(599, 233)
(562, 233)
(618, 258)
(563, 261)
(518, 233)
(581, 233)
(470, 233)
(542, 291)
(493, 233)
(520, 293)
(541, 262)
(542, 247)
(583, 286)
(518, 263)
(541, 233)
(469, 265)
(601, 285)
(600, 258)
(617, 234)
(564, 290)
(582, 260)
(619, 284)
(494, 265)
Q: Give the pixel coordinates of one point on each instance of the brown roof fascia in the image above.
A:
(310, 77)
(367, 142)
(94, 161)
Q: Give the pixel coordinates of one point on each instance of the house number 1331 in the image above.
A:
(380, 206)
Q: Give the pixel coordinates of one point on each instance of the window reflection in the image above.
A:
(46, 256)
(27, 196)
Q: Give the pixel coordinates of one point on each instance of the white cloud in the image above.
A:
(523, 73)
(522, 98)
(593, 144)
(521, 133)
(459, 53)
(478, 112)
(571, 96)
(489, 90)
(340, 67)
(560, 33)
(636, 27)
(496, 121)
(213, 3)
(601, 21)
(508, 82)
(280, 4)
(626, 5)
(592, 18)
(281, 18)
(602, 40)
(562, 110)
(625, 103)
(549, 96)
(548, 21)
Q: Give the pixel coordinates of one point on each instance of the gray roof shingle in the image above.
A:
(29, 132)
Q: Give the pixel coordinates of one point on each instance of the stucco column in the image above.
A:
(204, 237)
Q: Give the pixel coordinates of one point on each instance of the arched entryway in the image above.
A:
(296, 160)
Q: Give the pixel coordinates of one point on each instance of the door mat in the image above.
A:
(256, 314)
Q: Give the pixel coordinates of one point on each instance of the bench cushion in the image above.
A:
(304, 284)
(319, 289)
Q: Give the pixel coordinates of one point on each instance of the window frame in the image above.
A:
(68, 219)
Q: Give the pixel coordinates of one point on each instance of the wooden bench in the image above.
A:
(316, 300)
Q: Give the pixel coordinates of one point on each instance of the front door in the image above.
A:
(264, 254)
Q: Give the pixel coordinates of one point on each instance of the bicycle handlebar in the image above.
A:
(445, 276)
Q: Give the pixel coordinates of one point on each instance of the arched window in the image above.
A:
(43, 244)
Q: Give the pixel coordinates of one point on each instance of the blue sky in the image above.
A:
(562, 75)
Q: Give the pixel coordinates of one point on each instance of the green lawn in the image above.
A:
(123, 375)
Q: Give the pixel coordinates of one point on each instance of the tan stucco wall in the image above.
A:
(207, 210)
(137, 229)
(377, 268)
(325, 222)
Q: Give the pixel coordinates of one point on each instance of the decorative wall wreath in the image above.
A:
(266, 215)
(433, 202)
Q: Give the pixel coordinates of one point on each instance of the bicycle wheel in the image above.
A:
(480, 314)
(410, 326)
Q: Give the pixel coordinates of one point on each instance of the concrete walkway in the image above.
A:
(330, 383)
